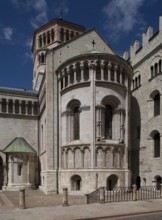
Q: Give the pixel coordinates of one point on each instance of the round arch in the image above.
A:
(158, 181)
(111, 100)
(76, 182)
(111, 182)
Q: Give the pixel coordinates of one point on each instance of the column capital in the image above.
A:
(109, 65)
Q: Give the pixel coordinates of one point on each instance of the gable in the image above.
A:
(88, 42)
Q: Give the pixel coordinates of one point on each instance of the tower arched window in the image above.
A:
(157, 145)
(157, 105)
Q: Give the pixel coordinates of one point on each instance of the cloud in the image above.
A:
(7, 33)
(121, 16)
(29, 42)
(39, 8)
(61, 9)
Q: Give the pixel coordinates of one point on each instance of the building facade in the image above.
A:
(92, 118)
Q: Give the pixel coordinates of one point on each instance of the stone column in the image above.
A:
(109, 71)
(66, 160)
(122, 125)
(7, 106)
(92, 73)
(121, 75)
(63, 82)
(75, 70)
(26, 108)
(4, 175)
(10, 171)
(102, 195)
(96, 180)
(134, 192)
(98, 123)
(65, 197)
(22, 198)
(102, 70)
(82, 158)
(68, 73)
(19, 107)
(82, 71)
(115, 73)
(160, 190)
(73, 151)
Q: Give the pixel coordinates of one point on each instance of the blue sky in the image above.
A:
(120, 22)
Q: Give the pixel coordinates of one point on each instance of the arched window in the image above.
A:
(108, 122)
(74, 120)
(159, 66)
(152, 71)
(98, 71)
(156, 69)
(76, 123)
(76, 183)
(157, 145)
(86, 72)
(112, 182)
(157, 105)
(139, 80)
(108, 118)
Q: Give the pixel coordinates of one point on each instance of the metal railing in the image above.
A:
(148, 192)
(119, 194)
(94, 197)
(122, 194)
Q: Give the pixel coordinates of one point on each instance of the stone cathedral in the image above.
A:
(92, 118)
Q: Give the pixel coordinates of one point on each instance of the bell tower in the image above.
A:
(48, 37)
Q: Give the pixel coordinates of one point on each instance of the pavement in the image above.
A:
(76, 211)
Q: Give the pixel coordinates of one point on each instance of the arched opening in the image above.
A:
(159, 66)
(152, 71)
(156, 69)
(76, 183)
(112, 182)
(138, 182)
(108, 122)
(158, 182)
(74, 120)
(108, 117)
(1, 173)
(157, 145)
(157, 105)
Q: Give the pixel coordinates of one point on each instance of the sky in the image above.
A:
(120, 22)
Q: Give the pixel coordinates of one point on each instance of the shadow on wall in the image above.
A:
(135, 139)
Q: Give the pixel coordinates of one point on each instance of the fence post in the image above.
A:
(134, 192)
(160, 190)
(22, 198)
(65, 197)
(102, 195)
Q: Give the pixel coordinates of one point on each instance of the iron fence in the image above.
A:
(148, 192)
(119, 194)
(94, 197)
